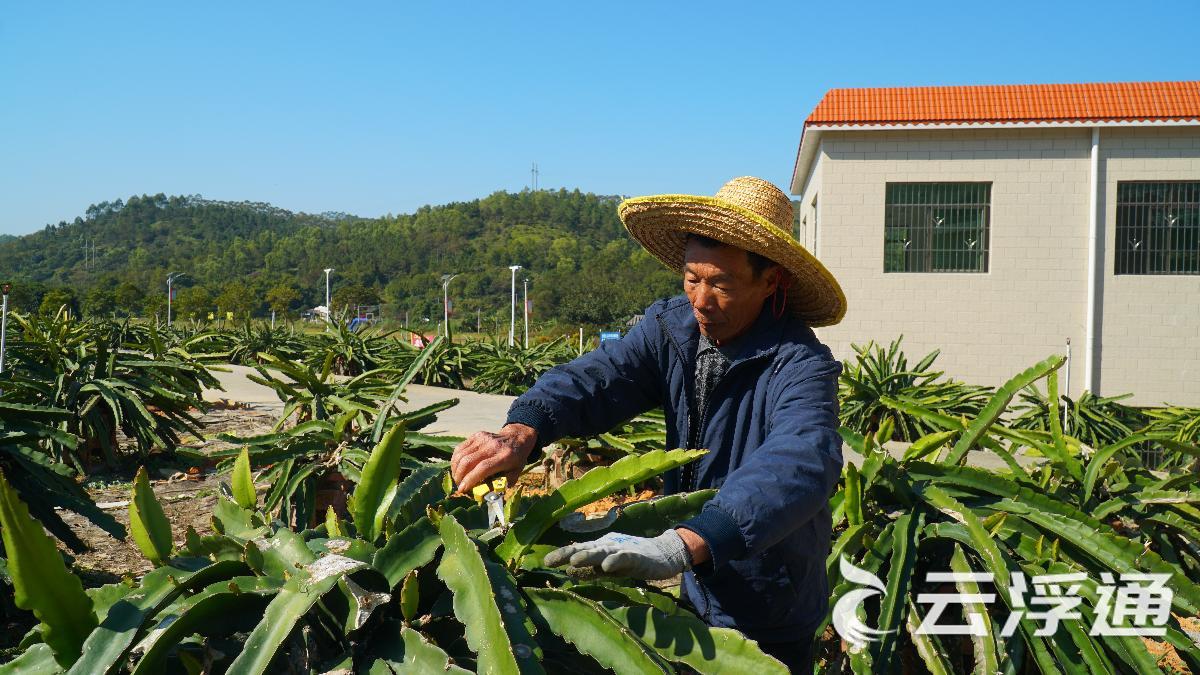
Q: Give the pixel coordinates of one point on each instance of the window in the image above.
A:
(1158, 228)
(936, 227)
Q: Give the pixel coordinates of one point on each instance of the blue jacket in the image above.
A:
(774, 452)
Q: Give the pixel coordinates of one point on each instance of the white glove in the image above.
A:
(660, 557)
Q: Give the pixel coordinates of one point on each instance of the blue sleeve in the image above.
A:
(595, 392)
(789, 478)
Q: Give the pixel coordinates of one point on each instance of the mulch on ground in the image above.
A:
(187, 497)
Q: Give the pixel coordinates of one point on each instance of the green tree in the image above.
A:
(128, 298)
(99, 302)
(155, 306)
(193, 302)
(587, 306)
(281, 298)
(26, 296)
(237, 297)
(56, 298)
(354, 294)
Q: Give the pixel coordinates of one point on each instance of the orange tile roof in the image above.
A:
(1118, 101)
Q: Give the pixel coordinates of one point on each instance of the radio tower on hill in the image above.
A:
(533, 175)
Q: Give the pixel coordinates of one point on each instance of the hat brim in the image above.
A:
(661, 223)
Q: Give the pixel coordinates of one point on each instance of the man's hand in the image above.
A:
(485, 454)
(660, 557)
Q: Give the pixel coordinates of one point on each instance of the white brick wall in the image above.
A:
(1150, 330)
(988, 326)
(807, 216)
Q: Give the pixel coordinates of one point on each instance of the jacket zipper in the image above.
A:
(688, 475)
(689, 479)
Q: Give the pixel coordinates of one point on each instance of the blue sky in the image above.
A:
(371, 108)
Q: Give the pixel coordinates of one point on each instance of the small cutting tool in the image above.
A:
(493, 494)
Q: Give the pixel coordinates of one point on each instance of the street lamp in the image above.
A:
(525, 311)
(170, 280)
(446, 279)
(512, 321)
(328, 309)
(4, 324)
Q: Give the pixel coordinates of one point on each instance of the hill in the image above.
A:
(251, 257)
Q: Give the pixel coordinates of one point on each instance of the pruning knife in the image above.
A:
(493, 495)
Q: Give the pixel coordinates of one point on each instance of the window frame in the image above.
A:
(910, 210)
(1137, 216)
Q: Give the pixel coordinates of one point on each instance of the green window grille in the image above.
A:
(937, 227)
(1158, 228)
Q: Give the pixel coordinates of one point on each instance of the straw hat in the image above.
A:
(748, 213)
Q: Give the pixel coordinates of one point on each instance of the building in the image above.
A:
(998, 222)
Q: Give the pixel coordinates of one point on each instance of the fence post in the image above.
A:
(4, 325)
(1066, 381)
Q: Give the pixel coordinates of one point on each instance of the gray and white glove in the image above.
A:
(660, 557)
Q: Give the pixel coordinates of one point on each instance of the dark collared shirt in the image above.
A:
(711, 364)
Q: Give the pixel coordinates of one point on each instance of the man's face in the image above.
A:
(726, 295)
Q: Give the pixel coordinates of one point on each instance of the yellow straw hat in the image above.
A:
(751, 214)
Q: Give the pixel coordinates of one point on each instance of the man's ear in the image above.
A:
(774, 278)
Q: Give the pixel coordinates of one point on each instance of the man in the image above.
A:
(737, 369)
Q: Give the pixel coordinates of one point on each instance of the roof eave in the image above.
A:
(810, 140)
(810, 137)
(1019, 124)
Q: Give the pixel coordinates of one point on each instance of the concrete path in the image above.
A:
(239, 389)
(476, 412)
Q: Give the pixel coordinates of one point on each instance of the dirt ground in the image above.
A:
(187, 498)
(1168, 657)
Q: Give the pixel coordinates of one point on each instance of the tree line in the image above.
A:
(250, 259)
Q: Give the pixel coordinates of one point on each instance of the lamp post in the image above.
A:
(512, 321)
(4, 324)
(328, 308)
(446, 279)
(525, 311)
(170, 280)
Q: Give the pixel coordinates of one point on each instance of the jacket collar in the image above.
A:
(762, 339)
